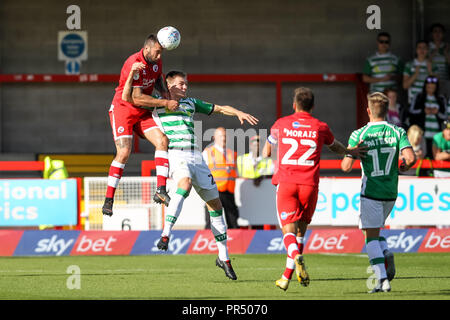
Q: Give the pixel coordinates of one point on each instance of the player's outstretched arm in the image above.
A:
(356, 152)
(230, 111)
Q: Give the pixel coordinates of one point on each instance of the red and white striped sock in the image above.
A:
(115, 173)
(162, 167)
(290, 267)
(300, 242)
(290, 243)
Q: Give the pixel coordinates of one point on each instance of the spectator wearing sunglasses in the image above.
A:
(383, 69)
(428, 111)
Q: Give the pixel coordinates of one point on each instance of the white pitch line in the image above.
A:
(344, 254)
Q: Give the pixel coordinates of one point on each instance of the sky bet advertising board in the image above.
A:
(33, 202)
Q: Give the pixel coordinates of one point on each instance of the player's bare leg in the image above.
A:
(377, 259)
(123, 151)
(219, 230)
(161, 143)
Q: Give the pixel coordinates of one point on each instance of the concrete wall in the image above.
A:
(286, 36)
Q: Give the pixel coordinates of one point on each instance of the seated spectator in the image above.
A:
(441, 149)
(395, 109)
(417, 70)
(383, 69)
(440, 55)
(415, 137)
(252, 166)
(428, 111)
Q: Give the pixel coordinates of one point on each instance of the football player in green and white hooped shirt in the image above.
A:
(385, 142)
(186, 164)
(417, 70)
(383, 69)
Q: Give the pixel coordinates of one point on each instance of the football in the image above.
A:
(169, 37)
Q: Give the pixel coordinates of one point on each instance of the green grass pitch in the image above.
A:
(186, 277)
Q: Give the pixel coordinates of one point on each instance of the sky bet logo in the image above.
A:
(46, 243)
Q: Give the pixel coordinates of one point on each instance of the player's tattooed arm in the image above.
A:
(230, 111)
(127, 89)
(356, 152)
(145, 101)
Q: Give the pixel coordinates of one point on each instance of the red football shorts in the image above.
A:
(296, 202)
(124, 120)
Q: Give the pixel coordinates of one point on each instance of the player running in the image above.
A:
(126, 117)
(187, 166)
(300, 138)
(384, 142)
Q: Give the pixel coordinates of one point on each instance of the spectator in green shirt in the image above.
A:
(383, 69)
(441, 149)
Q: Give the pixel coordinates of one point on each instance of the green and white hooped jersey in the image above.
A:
(178, 125)
(384, 142)
(439, 61)
(417, 85)
(378, 66)
(431, 123)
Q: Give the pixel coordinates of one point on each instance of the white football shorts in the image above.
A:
(373, 213)
(190, 164)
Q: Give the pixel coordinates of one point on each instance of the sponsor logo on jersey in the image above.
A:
(120, 129)
(147, 83)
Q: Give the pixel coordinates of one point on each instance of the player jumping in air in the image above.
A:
(384, 142)
(300, 138)
(187, 166)
(126, 117)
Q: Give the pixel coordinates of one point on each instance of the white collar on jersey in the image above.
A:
(376, 123)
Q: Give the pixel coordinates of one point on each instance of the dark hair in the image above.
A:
(304, 98)
(421, 41)
(383, 34)
(431, 79)
(150, 39)
(174, 73)
(390, 89)
(437, 25)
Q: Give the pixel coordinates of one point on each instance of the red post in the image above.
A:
(279, 100)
